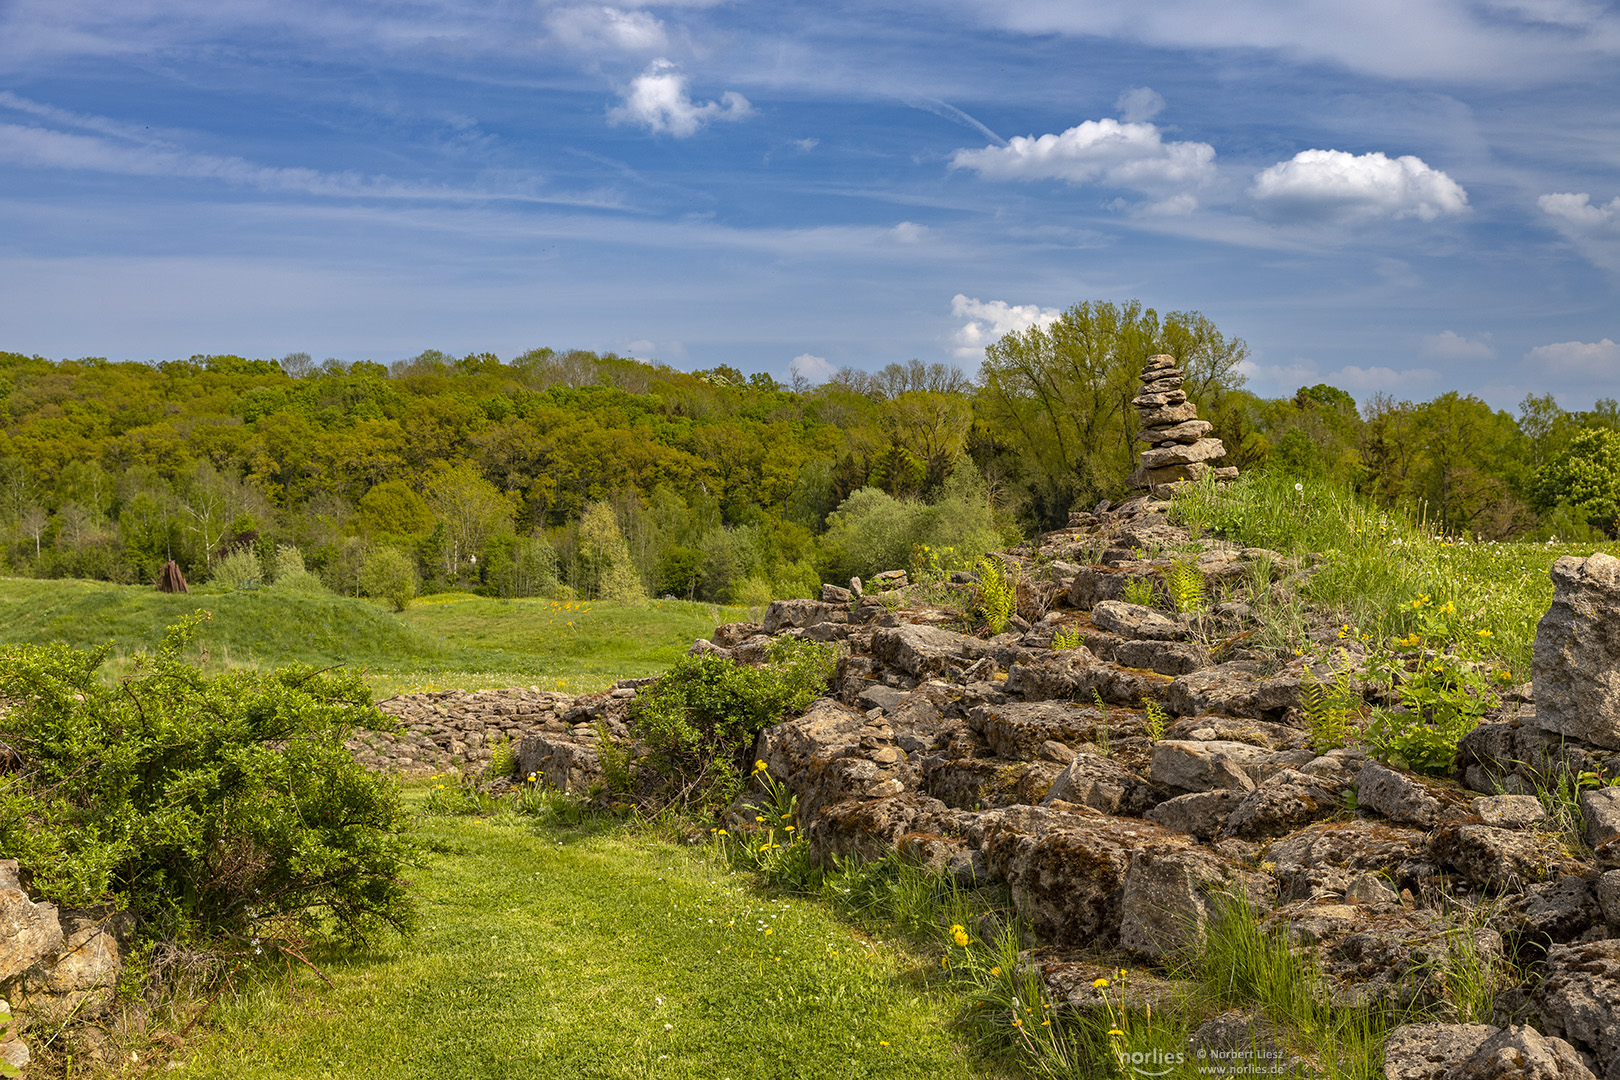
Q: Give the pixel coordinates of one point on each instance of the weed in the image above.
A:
(1329, 708)
(1067, 637)
(1156, 720)
(614, 755)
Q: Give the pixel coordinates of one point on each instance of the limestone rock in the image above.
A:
(1160, 399)
(1171, 896)
(29, 931)
(1579, 999)
(1324, 859)
(1601, 808)
(1187, 766)
(1163, 657)
(1102, 784)
(1016, 730)
(1492, 858)
(1230, 689)
(1182, 454)
(1285, 802)
(1576, 665)
(78, 979)
(1521, 1052)
(1199, 813)
(1185, 432)
(1135, 621)
(1405, 798)
(1075, 674)
(1166, 415)
(1429, 1051)
(1553, 911)
(925, 652)
(869, 828)
(1510, 811)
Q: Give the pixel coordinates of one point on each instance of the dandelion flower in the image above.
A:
(960, 937)
(995, 971)
(1099, 983)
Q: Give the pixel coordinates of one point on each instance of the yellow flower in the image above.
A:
(1099, 983)
(883, 1042)
(759, 765)
(787, 828)
(768, 931)
(758, 818)
(1484, 633)
(724, 833)
(1118, 1034)
(960, 937)
(995, 971)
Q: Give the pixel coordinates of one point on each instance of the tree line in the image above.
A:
(575, 473)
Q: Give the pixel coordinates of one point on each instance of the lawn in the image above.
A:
(594, 953)
(445, 640)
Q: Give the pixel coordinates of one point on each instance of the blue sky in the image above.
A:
(1407, 196)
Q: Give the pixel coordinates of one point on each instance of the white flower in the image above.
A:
(1299, 488)
(669, 1027)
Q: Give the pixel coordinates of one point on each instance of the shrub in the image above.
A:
(700, 719)
(389, 574)
(238, 570)
(200, 804)
(290, 575)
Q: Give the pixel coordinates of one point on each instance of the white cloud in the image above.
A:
(1336, 184)
(815, 369)
(1139, 103)
(909, 232)
(658, 100)
(991, 320)
(1599, 359)
(590, 28)
(1577, 209)
(1449, 345)
(807, 145)
(1126, 155)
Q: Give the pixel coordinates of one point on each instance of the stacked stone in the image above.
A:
(1182, 446)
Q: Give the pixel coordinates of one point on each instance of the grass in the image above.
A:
(583, 952)
(448, 640)
(1376, 561)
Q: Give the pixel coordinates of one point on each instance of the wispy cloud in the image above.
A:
(658, 100)
(1450, 345)
(1593, 230)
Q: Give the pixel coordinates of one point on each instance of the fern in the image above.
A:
(1185, 584)
(1156, 720)
(1066, 638)
(998, 594)
(1328, 708)
(1138, 591)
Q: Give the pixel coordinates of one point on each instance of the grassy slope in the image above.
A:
(545, 953)
(450, 640)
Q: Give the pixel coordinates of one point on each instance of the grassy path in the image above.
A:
(562, 954)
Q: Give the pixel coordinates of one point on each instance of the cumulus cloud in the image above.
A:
(814, 369)
(909, 232)
(1584, 358)
(988, 321)
(1111, 153)
(658, 100)
(1449, 345)
(1139, 103)
(1336, 184)
(1577, 210)
(590, 28)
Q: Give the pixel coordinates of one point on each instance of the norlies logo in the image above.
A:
(1153, 1062)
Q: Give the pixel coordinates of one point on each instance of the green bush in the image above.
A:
(290, 575)
(202, 805)
(238, 570)
(700, 719)
(389, 574)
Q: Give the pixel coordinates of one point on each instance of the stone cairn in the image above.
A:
(1182, 445)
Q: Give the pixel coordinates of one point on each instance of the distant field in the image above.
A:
(445, 641)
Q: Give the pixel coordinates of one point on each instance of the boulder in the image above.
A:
(1553, 911)
(987, 783)
(1200, 813)
(870, 828)
(1230, 689)
(1510, 811)
(1135, 621)
(1576, 665)
(1601, 809)
(1501, 860)
(1102, 784)
(925, 652)
(1075, 674)
(1188, 766)
(1429, 1051)
(1403, 797)
(1172, 895)
(564, 761)
(1067, 872)
(1163, 657)
(1167, 414)
(79, 977)
(1288, 800)
(1186, 432)
(1017, 730)
(1579, 1000)
(814, 755)
(1521, 1052)
(1323, 860)
(29, 931)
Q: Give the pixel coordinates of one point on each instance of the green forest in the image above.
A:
(600, 477)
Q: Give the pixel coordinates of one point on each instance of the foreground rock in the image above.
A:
(1577, 652)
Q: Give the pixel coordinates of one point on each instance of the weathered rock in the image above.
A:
(29, 931)
(1068, 872)
(869, 828)
(1553, 911)
(1016, 730)
(1102, 784)
(925, 652)
(1135, 621)
(1601, 808)
(564, 761)
(986, 783)
(78, 978)
(1287, 800)
(1429, 1051)
(1521, 1052)
(731, 634)
(1189, 431)
(1165, 415)
(1510, 811)
(1171, 896)
(832, 594)
(1576, 665)
(1074, 674)
(1182, 454)
(1405, 798)
(814, 755)
(1608, 896)
(1160, 399)
(1200, 813)
(1167, 474)
(1163, 657)
(1579, 1000)
(1093, 584)
(1495, 859)
(1321, 861)
(1188, 766)
(1230, 689)
(919, 717)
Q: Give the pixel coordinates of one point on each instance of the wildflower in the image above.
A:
(1099, 983)
(1118, 1034)
(1484, 633)
(758, 817)
(883, 1042)
(669, 1027)
(724, 833)
(995, 971)
(1299, 488)
(759, 765)
(960, 937)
